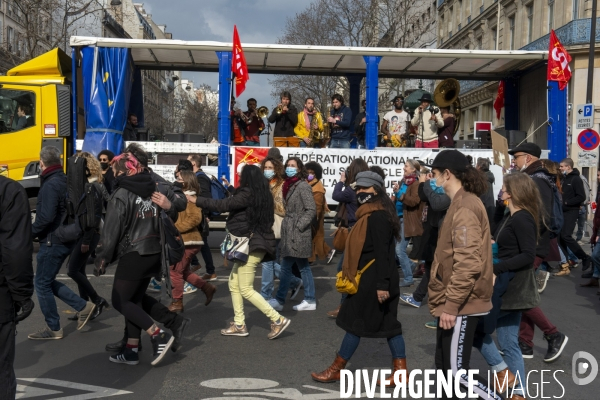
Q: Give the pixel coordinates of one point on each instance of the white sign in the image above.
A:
(587, 158)
(584, 116)
(335, 161)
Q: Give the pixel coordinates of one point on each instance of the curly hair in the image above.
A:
(93, 165)
(302, 174)
(316, 167)
(260, 215)
(277, 167)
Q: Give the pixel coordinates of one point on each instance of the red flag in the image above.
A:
(499, 102)
(238, 65)
(558, 62)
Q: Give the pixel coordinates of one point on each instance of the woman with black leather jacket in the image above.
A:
(250, 215)
(131, 235)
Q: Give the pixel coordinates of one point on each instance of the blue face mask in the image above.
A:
(269, 173)
(291, 172)
(437, 189)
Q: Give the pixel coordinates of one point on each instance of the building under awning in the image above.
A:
(354, 63)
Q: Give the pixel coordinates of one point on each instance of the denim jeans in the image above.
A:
(49, 261)
(339, 144)
(351, 341)
(581, 220)
(286, 277)
(507, 331)
(596, 260)
(490, 353)
(270, 270)
(402, 256)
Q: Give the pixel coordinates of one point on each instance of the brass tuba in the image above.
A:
(262, 112)
(446, 94)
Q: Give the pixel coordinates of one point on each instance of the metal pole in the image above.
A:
(590, 76)
(498, 28)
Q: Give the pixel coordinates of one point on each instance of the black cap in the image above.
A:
(426, 97)
(528, 148)
(453, 160)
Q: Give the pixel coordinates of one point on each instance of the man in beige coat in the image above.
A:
(427, 119)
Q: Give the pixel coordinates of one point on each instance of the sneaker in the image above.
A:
(276, 304)
(556, 345)
(586, 263)
(235, 330)
(161, 343)
(85, 314)
(431, 324)
(330, 256)
(154, 286)
(305, 306)
(542, 279)
(278, 328)
(189, 288)
(46, 334)
(178, 332)
(405, 283)
(101, 303)
(209, 277)
(127, 356)
(410, 300)
(526, 350)
(296, 290)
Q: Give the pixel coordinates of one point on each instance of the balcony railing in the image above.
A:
(574, 33)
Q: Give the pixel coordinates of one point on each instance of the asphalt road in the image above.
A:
(211, 366)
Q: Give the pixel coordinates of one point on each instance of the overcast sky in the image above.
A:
(258, 21)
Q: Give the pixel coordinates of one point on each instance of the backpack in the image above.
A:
(557, 219)
(217, 190)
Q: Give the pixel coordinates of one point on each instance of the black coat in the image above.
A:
(284, 122)
(237, 224)
(129, 133)
(573, 191)
(51, 204)
(545, 182)
(361, 314)
(16, 248)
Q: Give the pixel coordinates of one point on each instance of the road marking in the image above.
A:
(95, 392)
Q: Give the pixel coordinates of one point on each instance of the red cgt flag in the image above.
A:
(558, 62)
(239, 66)
(499, 102)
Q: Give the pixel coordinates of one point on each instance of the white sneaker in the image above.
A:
(189, 288)
(276, 305)
(305, 306)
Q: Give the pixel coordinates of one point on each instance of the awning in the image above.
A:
(325, 60)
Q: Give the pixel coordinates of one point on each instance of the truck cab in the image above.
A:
(35, 111)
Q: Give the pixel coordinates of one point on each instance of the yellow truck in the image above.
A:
(35, 111)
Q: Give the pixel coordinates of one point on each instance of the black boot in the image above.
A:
(177, 329)
(100, 304)
(120, 345)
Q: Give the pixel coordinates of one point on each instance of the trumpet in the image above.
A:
(279, 109)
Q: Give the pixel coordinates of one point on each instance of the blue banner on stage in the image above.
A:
(107, 81)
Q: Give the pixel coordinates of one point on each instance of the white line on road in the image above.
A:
(27, 391)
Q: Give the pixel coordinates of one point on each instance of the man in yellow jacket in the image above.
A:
(308, 119)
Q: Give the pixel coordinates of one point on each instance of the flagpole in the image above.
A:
(590, 77)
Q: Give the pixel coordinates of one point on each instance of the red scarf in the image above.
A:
(410, 179)
(306, 119)
(287, 184)
(51, 169)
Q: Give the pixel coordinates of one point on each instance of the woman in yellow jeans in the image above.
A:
(250, 215)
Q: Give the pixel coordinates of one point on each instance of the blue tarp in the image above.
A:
(107, 81)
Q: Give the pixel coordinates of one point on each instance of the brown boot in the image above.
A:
(331, 374)
(176, 306)
(420, 271)
(564, 270)
(398, 364)
(334, 313)
(593, 282)
(511, 381)
(209, 290)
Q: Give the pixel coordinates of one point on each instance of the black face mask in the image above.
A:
(104, 166)
(364, 197)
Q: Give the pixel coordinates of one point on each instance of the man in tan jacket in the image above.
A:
(461, 284)
(427, 119)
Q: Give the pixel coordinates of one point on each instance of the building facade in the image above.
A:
(518, 25)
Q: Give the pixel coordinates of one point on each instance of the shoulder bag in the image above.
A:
(344, 285)
(236, 248)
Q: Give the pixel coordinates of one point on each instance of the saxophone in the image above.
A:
(314, 134)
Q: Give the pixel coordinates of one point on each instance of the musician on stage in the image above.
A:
(395, 123)
(360, 127)
(309, 120)
(285, 117)
(251, 124)
(428, 120)
(340, 118)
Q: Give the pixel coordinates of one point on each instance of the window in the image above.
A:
(550, 15)
(529, 10)
(511, 28)
(17, 110)
(495, 38)
(10, 38)
(576, 9)
(1, 34)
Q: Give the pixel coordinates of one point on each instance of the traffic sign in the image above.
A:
(584, 116)
(588, 139)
